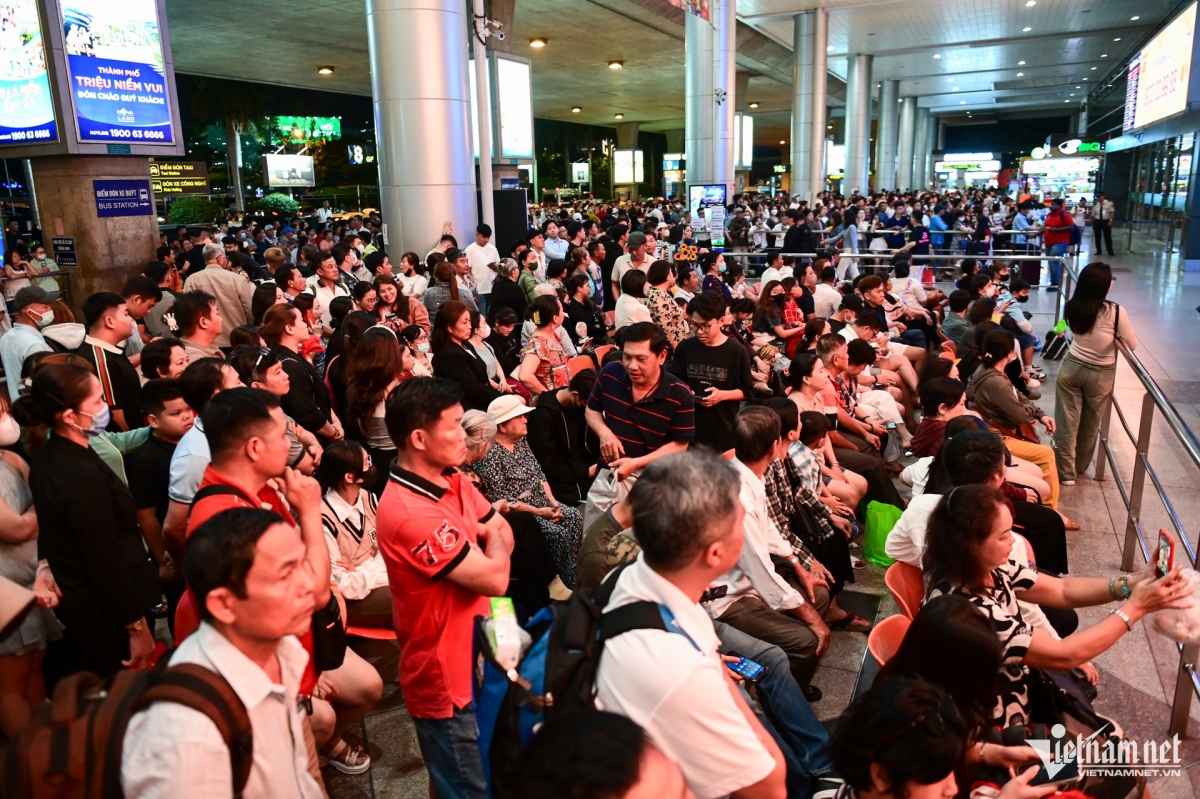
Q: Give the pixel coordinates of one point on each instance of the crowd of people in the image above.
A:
(275, 431)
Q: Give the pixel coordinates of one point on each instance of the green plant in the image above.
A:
(194, 211)
(276, 203)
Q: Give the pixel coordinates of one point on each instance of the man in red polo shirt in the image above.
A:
(447, 551)
(1058, 225)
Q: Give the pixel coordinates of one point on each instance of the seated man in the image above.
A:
(675, 689)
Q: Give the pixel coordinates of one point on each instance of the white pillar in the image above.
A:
(930, 143)
(483, 102)
(858, 124)
(422, 119)
(1083, 121)
(698, 99)
(802, 106)
(724, 66)
(920, 149)
(820, 81)
(907, 134)
(885, 140)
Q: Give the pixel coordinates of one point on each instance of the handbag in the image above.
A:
(328, 637)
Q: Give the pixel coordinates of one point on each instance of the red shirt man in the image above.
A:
(1057, 218)
(446, 551)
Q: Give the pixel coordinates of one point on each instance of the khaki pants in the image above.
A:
(1043, 457)
(1081, 394)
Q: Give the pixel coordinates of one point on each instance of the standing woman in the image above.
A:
(848, 238)
(22, 686)
(307, 400)
(505, 291)
(543, 360)
(1086, 378)
(17, 273)
(412, 276)
(88, 532)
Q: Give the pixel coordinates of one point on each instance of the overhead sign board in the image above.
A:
(960, 158)
(1131, 90)
(289, 171)
(581, 172)
(179, 177)
(303, 128)
(1165, 70)
(514, 85)
(123, 198)
(26, 102)
(628, 167)
(1060, 167)
(969, 166)
(116, 71)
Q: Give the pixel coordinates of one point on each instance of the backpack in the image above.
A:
(556, 674)
(71, 748)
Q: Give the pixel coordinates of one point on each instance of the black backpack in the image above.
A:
(556, 674)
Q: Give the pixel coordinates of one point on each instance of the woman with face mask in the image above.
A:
(88, 531)
(22, 651)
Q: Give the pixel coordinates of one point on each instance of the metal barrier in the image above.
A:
(1153, 399)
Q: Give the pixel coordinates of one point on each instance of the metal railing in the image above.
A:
(1154, 402)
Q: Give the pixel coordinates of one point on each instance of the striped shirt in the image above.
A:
(663, 416)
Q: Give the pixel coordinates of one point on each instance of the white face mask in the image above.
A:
(484, 329)
(10, 431)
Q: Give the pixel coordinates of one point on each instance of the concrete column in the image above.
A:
(422, 119)
(627, 135)
(802, 105)
(110, 249)
(820, 112)
(724, 66)
(904, 147)
(674, 140)
(885, 140)
(920, 149)
(698, 99)
(858, 124)
(1083, 121)
(941, 136)
(933, 132)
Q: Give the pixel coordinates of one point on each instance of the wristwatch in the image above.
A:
(137, 626)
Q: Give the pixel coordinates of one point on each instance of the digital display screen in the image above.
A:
(116, 71)
(26, 104)
(516, 108)
(1165, 69)
(700, 196)
(628, 167)
(283, 171)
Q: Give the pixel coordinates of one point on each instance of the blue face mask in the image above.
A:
(100, 421)
(721, 268)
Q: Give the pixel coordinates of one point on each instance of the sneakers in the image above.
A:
(827, 786)
(1032, 383)
(1036, 373)
(1066, 482)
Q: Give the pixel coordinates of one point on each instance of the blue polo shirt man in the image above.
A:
(640, 411)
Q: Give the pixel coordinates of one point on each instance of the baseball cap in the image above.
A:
(636, 239)
(32, 294)
(507, 407)
(289, 230)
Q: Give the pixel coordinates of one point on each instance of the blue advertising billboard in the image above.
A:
(116, 72)
(26, 102)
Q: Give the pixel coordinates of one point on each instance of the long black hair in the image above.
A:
(959, 527)
(1089, 297)
(939, 480)
(952, 624)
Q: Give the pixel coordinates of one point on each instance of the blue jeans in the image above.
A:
(451, 755)
(788, 717)
(1054, 251)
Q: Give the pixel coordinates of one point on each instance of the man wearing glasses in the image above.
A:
(717, 370)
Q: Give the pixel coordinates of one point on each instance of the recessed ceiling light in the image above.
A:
(1030, 3)
(324, 70)
(1020, 74)
(962, 102)
(1026, 29)
(1085, 78)
(829, 49)
(950, 79)
(955, 88)
(1080, 87)
(537, 42)
(616, 65)
(781, 141)
(1020, 63)
(1117, 39)
(937, 55)
(619, 116)
(1134, 18)
(1072, 94)
(576, 110)
(1093, 69)
(1066, 101)
(754, 105)
(1104, 55)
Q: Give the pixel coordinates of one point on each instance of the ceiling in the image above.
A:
(981, 43)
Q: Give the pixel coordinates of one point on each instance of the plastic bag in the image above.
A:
(881, 518)
(1181, 625)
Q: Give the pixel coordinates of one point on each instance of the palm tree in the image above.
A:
(239, 105)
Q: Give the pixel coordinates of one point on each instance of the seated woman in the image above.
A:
(968, 553)
(906, 739)
(395, 308)
(543, 359)
(631, 305)
(583, 313)
(1006, 412)
(810, 380)
(509, 471)
(348, 515)
(379, 364)
(416, 340)
(768, 315)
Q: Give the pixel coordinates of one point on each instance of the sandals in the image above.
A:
(1070, 523)
(348, 759)
(851, 623)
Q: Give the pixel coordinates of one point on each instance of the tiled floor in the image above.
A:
(1137, 675)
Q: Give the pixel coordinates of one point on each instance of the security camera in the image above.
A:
(499, 35)
(496, 24)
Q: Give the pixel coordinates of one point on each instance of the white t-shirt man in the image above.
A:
(675, 689)
(479, 258)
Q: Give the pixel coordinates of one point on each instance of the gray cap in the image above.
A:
(32, 294)
(636, 239)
